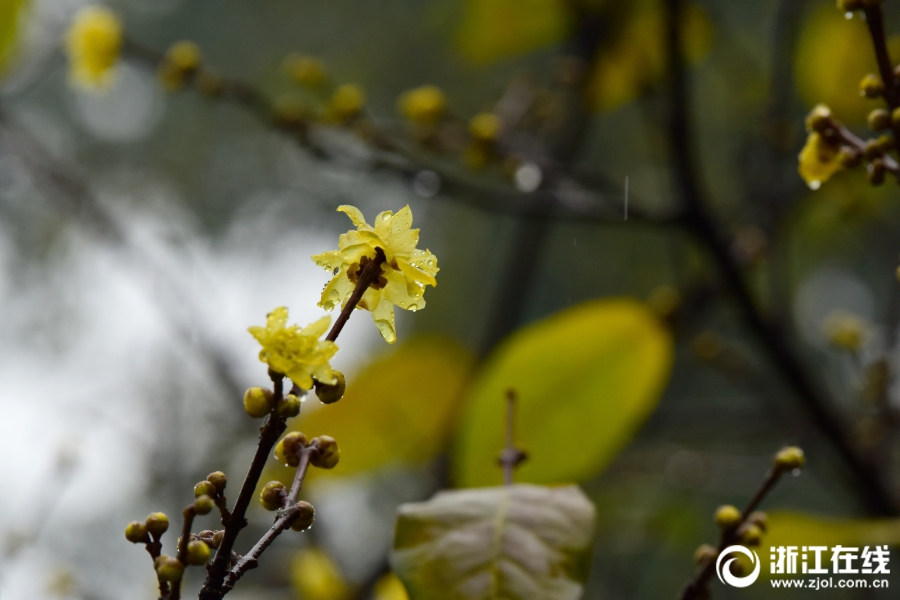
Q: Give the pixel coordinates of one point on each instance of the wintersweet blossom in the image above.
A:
(294, 352)
(404, 274)
(94, 43)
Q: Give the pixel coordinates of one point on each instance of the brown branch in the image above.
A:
(286, 517)
(511, 457)
(874, 490)
(271, 430)
(189, 513)
(368, 275)
(695, 589)
(154, 549)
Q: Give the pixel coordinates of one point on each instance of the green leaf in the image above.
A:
(10, 19)
(586, 379)
(400, 408)
(496, 29)
(514, 542)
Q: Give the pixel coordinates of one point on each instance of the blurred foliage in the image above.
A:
(516, 542)
(315, 576)
(586, 378)
(10, 18)
(495, 29)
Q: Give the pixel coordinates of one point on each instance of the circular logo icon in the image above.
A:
(724, 570)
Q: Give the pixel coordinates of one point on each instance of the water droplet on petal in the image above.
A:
(414, 307)
(386, 216)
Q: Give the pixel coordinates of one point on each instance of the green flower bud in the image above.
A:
(879, 119)
(750, 535)
(272, 495)
(287, 451)
(136, 532)
(329, 394)
(705, 553)
(876, 171)
(871, 86)
(157, 523)
(885, 142)
(306, 518)
(328, 455)
(790, 458)
(218, 479)
(197, 553)
(289, 406)
(873, 150)
(849, 157)
(258, 402)
(204, 505)
(727, 516)
(204, 488)
(760, 519)
(169, 568)
(217, 538)
(819, 118)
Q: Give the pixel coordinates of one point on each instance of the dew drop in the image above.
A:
(386, 216)
(815, 184)
(336, 271)
(795, 472)
(848, 15)
(414, 307)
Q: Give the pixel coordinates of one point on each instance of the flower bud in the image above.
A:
(705, 553)
(204, 505)
(287, 451)
(136, 532)
(849, 157)
(218, 479)
(272, 495)
(790, 458)
(157, 523)
(258, 402)
(288, 110)
(306, 517)
(879, 119)
(169, 568)
(760, 519)
(727, 516)
(184, 56)
(424, 105)
(197, 553)
(305, 70)
(876, 171)
(217, 538)
(289, 406)
(485, 127)
(819, 118)
(331, 393)
(895, 117)
(204, 488)
(347, 102)
(328, 455)
(885, 142)
(871, 86)
(873, 150)
(750, 535)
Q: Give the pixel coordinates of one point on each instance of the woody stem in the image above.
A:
(367, 276)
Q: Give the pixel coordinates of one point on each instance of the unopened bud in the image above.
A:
(819, 118)
(331, 393)
(760, 519)
(272, 495)
(197, 553)
(727, 516)
(876, 172)
(204, 505)
(328, 455)
(204, 488)
(287, 451)
(705, 553)
(879, 119)
(157, 523)
(849, 157)
(307, 514)
(871, 86)
(790, 458)
(218, 479)
(136, 532)
(485, 127)
(289, 406)
(169, 568)
(750, 535)
(258, 402)
(217, 538)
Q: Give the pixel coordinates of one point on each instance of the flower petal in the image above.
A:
(330, 260)
(354, 213)
(404, 293)
(277, 319)
(416, 273)
(317, 328)
(337, 291)
(383, 316)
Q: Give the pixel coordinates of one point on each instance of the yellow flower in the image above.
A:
(93, 43)
(819, 160)
(424, 105)
(294, 352)
(404, 274)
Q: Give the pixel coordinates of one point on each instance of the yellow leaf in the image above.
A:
(315, 577)
(799, 529)
(496, 29)
(635, 59)
(398, 409)
(586, 379)
(10, 19)
(818, 161)
(833, 54)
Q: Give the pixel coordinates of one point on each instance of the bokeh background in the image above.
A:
(142, 232)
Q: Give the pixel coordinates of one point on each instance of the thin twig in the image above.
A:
(188, 514)
(511, 456)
